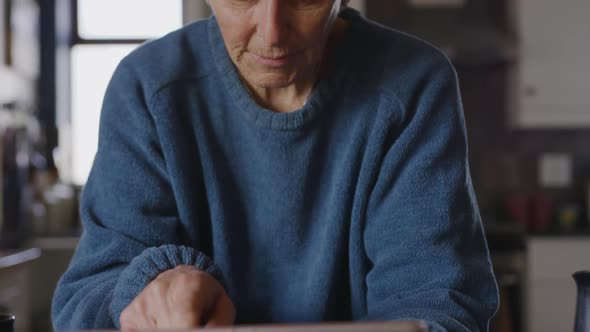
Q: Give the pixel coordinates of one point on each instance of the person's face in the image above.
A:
(275, 43)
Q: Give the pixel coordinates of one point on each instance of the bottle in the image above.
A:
(6, 323)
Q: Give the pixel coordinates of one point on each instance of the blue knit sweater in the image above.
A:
(359, 206)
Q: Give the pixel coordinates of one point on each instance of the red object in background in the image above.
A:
(517, 209)
(542, 208)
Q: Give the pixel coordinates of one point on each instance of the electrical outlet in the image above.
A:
(555, 170)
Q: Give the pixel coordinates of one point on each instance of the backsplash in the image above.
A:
(504, 159)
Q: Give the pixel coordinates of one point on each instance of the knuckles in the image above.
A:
(184, 289)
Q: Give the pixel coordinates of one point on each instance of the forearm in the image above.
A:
(442, 309)
(84, 303)
(86, 299)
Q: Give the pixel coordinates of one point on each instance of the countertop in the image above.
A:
(12, 257)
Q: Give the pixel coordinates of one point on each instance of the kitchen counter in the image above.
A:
(15, 281)
(13, 257)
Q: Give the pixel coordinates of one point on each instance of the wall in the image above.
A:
(504, 159)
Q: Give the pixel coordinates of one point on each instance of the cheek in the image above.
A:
(313, 27)
(236, 35)
(312, 36)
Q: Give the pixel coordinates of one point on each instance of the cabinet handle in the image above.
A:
(530, 91)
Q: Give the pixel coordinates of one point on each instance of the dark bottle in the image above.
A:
(582, 323)
(6, 323)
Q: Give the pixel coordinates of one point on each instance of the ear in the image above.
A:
(344, 3)
(209, 5)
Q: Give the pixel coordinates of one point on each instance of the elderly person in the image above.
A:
(281, 161)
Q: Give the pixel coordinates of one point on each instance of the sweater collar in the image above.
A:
(326, 88)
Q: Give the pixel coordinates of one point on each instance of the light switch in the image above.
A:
(555, 170)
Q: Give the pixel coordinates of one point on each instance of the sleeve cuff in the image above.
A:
(148, 265)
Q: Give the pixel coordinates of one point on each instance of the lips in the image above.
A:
(273, 61)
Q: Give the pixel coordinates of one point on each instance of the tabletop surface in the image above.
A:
(392, 326)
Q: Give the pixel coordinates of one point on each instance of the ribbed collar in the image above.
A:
(326, 88)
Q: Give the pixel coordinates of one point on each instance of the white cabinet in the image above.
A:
(551, 290)
(553, 75)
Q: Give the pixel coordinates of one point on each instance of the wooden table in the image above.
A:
(392, 326)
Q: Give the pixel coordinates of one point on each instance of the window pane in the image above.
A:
(128, 19)
(92, 68)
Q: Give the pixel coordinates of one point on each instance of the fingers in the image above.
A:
(181, 298)
(134, 318)
(223, 314)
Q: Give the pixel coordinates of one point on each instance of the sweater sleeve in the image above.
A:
(423, 233)
(131, 228)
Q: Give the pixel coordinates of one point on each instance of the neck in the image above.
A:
(284, 99)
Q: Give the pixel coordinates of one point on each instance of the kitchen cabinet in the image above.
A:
(551, 290)
(553, 74)
(55, 258)
(15, 295)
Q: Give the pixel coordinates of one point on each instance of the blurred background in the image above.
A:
(525, 84)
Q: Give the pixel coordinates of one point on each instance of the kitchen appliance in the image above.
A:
(582, 323)
(18, 129)
(6, 323)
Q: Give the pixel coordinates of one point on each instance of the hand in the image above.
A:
(182, 298)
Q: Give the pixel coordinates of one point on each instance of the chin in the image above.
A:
(272, 82)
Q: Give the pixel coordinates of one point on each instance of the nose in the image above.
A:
(272, 22)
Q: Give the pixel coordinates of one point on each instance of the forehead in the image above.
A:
(242, 9)
(253, 2)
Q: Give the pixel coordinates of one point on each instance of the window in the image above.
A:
(91, 69)
(127, 19)
(104, 31)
